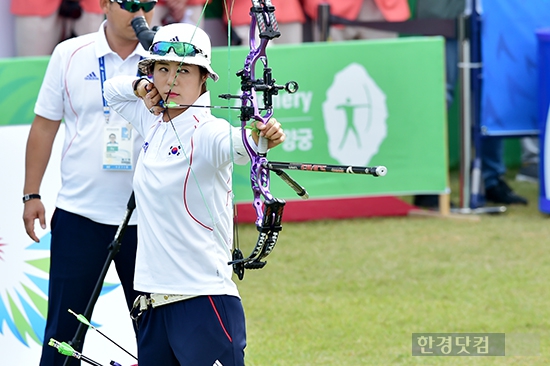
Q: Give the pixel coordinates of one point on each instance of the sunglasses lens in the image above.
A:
(159, 49)
(187, 49)
(148, 6)
(181, 49)
(134, 7)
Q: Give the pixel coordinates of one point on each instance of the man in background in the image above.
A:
(95, 189)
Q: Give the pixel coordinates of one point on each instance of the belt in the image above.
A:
(156, 300)
(143, 302)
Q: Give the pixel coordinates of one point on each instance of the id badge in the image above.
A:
(118, 148)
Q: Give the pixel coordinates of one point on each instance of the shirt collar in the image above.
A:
(102, 46)
(204, 100)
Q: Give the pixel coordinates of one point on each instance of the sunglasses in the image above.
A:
(182, 49)
(135, 6)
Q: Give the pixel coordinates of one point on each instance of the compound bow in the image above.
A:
(269, 210)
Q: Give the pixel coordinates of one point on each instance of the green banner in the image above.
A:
(361, 103)
(20, 80)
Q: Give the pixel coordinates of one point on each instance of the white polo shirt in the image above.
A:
(184, 194)
(71, 90)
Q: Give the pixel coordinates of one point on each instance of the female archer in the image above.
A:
(192, 313)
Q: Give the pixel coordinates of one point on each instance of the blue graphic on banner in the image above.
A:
(509, 53)
(23, 308)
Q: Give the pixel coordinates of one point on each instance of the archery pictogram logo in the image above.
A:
(355, 114)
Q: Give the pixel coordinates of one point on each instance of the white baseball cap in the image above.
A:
(180, 42)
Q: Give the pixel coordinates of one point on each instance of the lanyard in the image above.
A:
(103, 77)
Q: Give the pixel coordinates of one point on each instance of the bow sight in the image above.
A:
(266, 85)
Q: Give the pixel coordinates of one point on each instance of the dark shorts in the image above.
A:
(202, 331)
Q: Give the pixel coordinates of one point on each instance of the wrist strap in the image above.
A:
(31, 196)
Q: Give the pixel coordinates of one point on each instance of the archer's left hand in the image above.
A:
(271, 130)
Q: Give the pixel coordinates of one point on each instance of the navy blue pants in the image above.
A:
(79, 250)
(202, 331)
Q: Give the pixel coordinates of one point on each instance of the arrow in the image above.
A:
(81, 318)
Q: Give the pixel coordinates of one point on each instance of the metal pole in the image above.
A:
(470, 66)
(465, 112)
(323, 21)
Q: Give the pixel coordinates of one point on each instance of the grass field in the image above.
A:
(352, 292)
